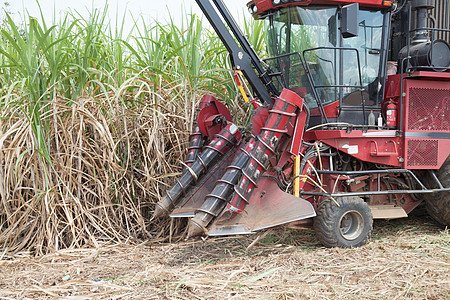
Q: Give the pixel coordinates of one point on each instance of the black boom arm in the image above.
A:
(243, 57)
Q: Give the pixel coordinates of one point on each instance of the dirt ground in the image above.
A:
(405, 259)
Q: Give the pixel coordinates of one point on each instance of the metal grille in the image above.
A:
(429, 109)
(422, 153)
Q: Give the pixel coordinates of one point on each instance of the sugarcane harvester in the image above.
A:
(351, 122)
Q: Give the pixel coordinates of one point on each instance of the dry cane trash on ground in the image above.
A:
(406, 259)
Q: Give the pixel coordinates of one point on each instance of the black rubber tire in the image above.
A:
(438, 204)
(332, 222)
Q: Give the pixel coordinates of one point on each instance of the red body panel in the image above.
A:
(297, 137)
(426, 123)
(331, 110)
(431, 75)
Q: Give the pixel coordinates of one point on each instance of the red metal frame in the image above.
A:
(267, 5)
(208, 118)
(376, 146)
(332, 183)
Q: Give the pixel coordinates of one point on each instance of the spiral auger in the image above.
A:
(196, 140)
(200, 159)
(242, 175)
(222, 191)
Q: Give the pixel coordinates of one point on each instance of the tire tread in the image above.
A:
(324, 222)
(438, 205)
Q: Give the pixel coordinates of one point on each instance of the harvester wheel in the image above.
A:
(438, 205)
(345, 225)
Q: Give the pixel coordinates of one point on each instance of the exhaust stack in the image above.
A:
(421, 7)
(425, 52)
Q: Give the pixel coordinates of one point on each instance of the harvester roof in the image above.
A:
(260, 7)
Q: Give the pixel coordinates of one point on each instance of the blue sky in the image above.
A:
(149, 9)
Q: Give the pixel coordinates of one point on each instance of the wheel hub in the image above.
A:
(351, 225)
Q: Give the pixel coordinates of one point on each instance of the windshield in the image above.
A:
(334, 72)
(307, 28)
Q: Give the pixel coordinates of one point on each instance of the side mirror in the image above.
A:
(350, 20)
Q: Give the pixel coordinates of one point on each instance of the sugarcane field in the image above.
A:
(294, 150)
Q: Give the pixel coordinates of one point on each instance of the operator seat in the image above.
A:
(355, 98)
(352, 110)
(370, 94)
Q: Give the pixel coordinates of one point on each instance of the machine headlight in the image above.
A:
(276, 2)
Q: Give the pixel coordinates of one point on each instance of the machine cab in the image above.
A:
(332, 56)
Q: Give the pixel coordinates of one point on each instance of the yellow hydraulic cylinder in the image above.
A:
(297, 176)
(243, 93)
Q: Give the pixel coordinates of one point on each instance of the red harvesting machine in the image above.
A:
(351, 122)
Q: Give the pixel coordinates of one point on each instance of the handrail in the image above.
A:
(363, 101)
